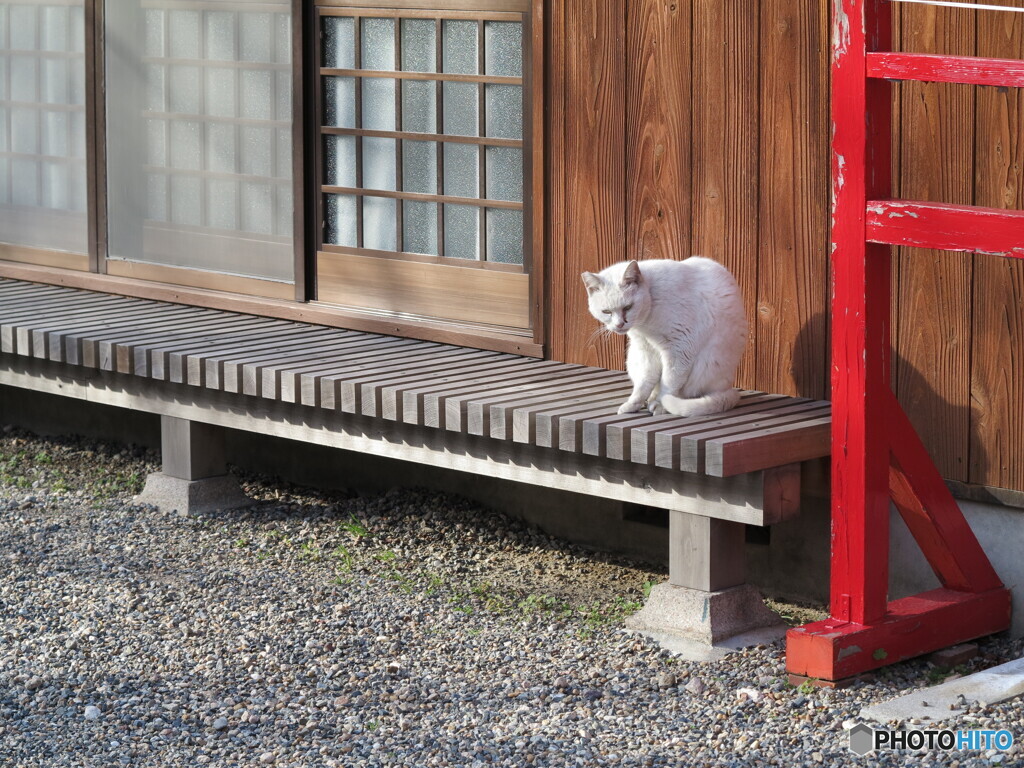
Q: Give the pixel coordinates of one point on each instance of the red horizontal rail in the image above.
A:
(935, 68)
(946, 227)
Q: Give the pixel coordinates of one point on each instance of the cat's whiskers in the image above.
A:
(601, 330)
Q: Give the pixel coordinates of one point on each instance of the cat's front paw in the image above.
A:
(658, 409)
(631, 406)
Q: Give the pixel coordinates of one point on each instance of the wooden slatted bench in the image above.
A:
(533, 421)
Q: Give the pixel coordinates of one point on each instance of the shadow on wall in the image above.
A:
(795, 564)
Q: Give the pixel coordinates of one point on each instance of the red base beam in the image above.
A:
(833, 650)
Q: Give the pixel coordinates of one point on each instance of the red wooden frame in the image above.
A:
(877, 457)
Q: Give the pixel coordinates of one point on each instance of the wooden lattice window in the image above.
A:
(424, 118)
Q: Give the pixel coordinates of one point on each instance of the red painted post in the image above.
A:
(860, 328)
(876, 455)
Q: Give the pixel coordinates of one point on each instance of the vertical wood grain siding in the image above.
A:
(932, 350)
(701, 126)
(725, 145)
(997, 371)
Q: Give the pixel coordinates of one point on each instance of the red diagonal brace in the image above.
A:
(931, 513)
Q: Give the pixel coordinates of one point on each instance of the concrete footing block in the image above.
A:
(192, 497)
(706, 625)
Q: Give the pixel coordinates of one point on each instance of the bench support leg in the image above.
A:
(705, 601)
(194, 479)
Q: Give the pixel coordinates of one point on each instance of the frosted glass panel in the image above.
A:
(220, 36)
(156, 91)
(340, 152)
(379, 104)
(222, 203)
(257, 94)
(186, 144)
(54, 29)
(503, 48)
(256, 152)
(419, 106)
(378, 44)
(257, 42)
(222, 147)
(460, 47)
(24, 78)
(183, 90)
(283, 95)
(257, 207)
(419, 167)
(339, 50)
(379, 163)
(340, 102)
(419, 227)
(25, 182)
(505, 173)
(341, 220)
(461, 170)
(284, 153)
(503, 105)
(220, 92)
(184, 34)
(24, 25)
(154, 32)
(462, 232)
(156, 142)
(504, 236)
(156, 197)
(460, 109)
(55, 135)
(55, 185)
(213, 113)
(379, 223)
(43, 186)
(25, 130)
(419, 45)
(186, 202)
(283, 42)
(55, 81)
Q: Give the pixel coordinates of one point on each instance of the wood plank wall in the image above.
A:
(701, 126)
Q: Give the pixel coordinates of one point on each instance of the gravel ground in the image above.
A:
(408, 629)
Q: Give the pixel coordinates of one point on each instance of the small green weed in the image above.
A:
(354, 527)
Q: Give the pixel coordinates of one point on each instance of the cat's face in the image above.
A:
(618, 303)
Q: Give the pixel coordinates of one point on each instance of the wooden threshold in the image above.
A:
(314, 313)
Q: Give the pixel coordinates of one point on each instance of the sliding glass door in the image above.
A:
(199, 140)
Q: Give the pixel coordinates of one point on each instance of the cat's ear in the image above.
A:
(631, 275)
(592, 281)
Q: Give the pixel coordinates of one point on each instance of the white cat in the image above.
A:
(686, 328)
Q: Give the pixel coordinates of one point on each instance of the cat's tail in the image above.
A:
(715, 402)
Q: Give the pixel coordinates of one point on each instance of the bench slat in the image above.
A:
(371, 397)
(404, 401)
(456, 406)
(501, 415)
(738, 454)
(290, 376)
(691, 447)
(541, 427)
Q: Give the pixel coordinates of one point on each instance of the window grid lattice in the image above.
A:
(474, 211)
(223, 162)
(42, 106)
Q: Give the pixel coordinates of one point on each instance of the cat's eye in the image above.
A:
(627, 308)
(606, 311)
